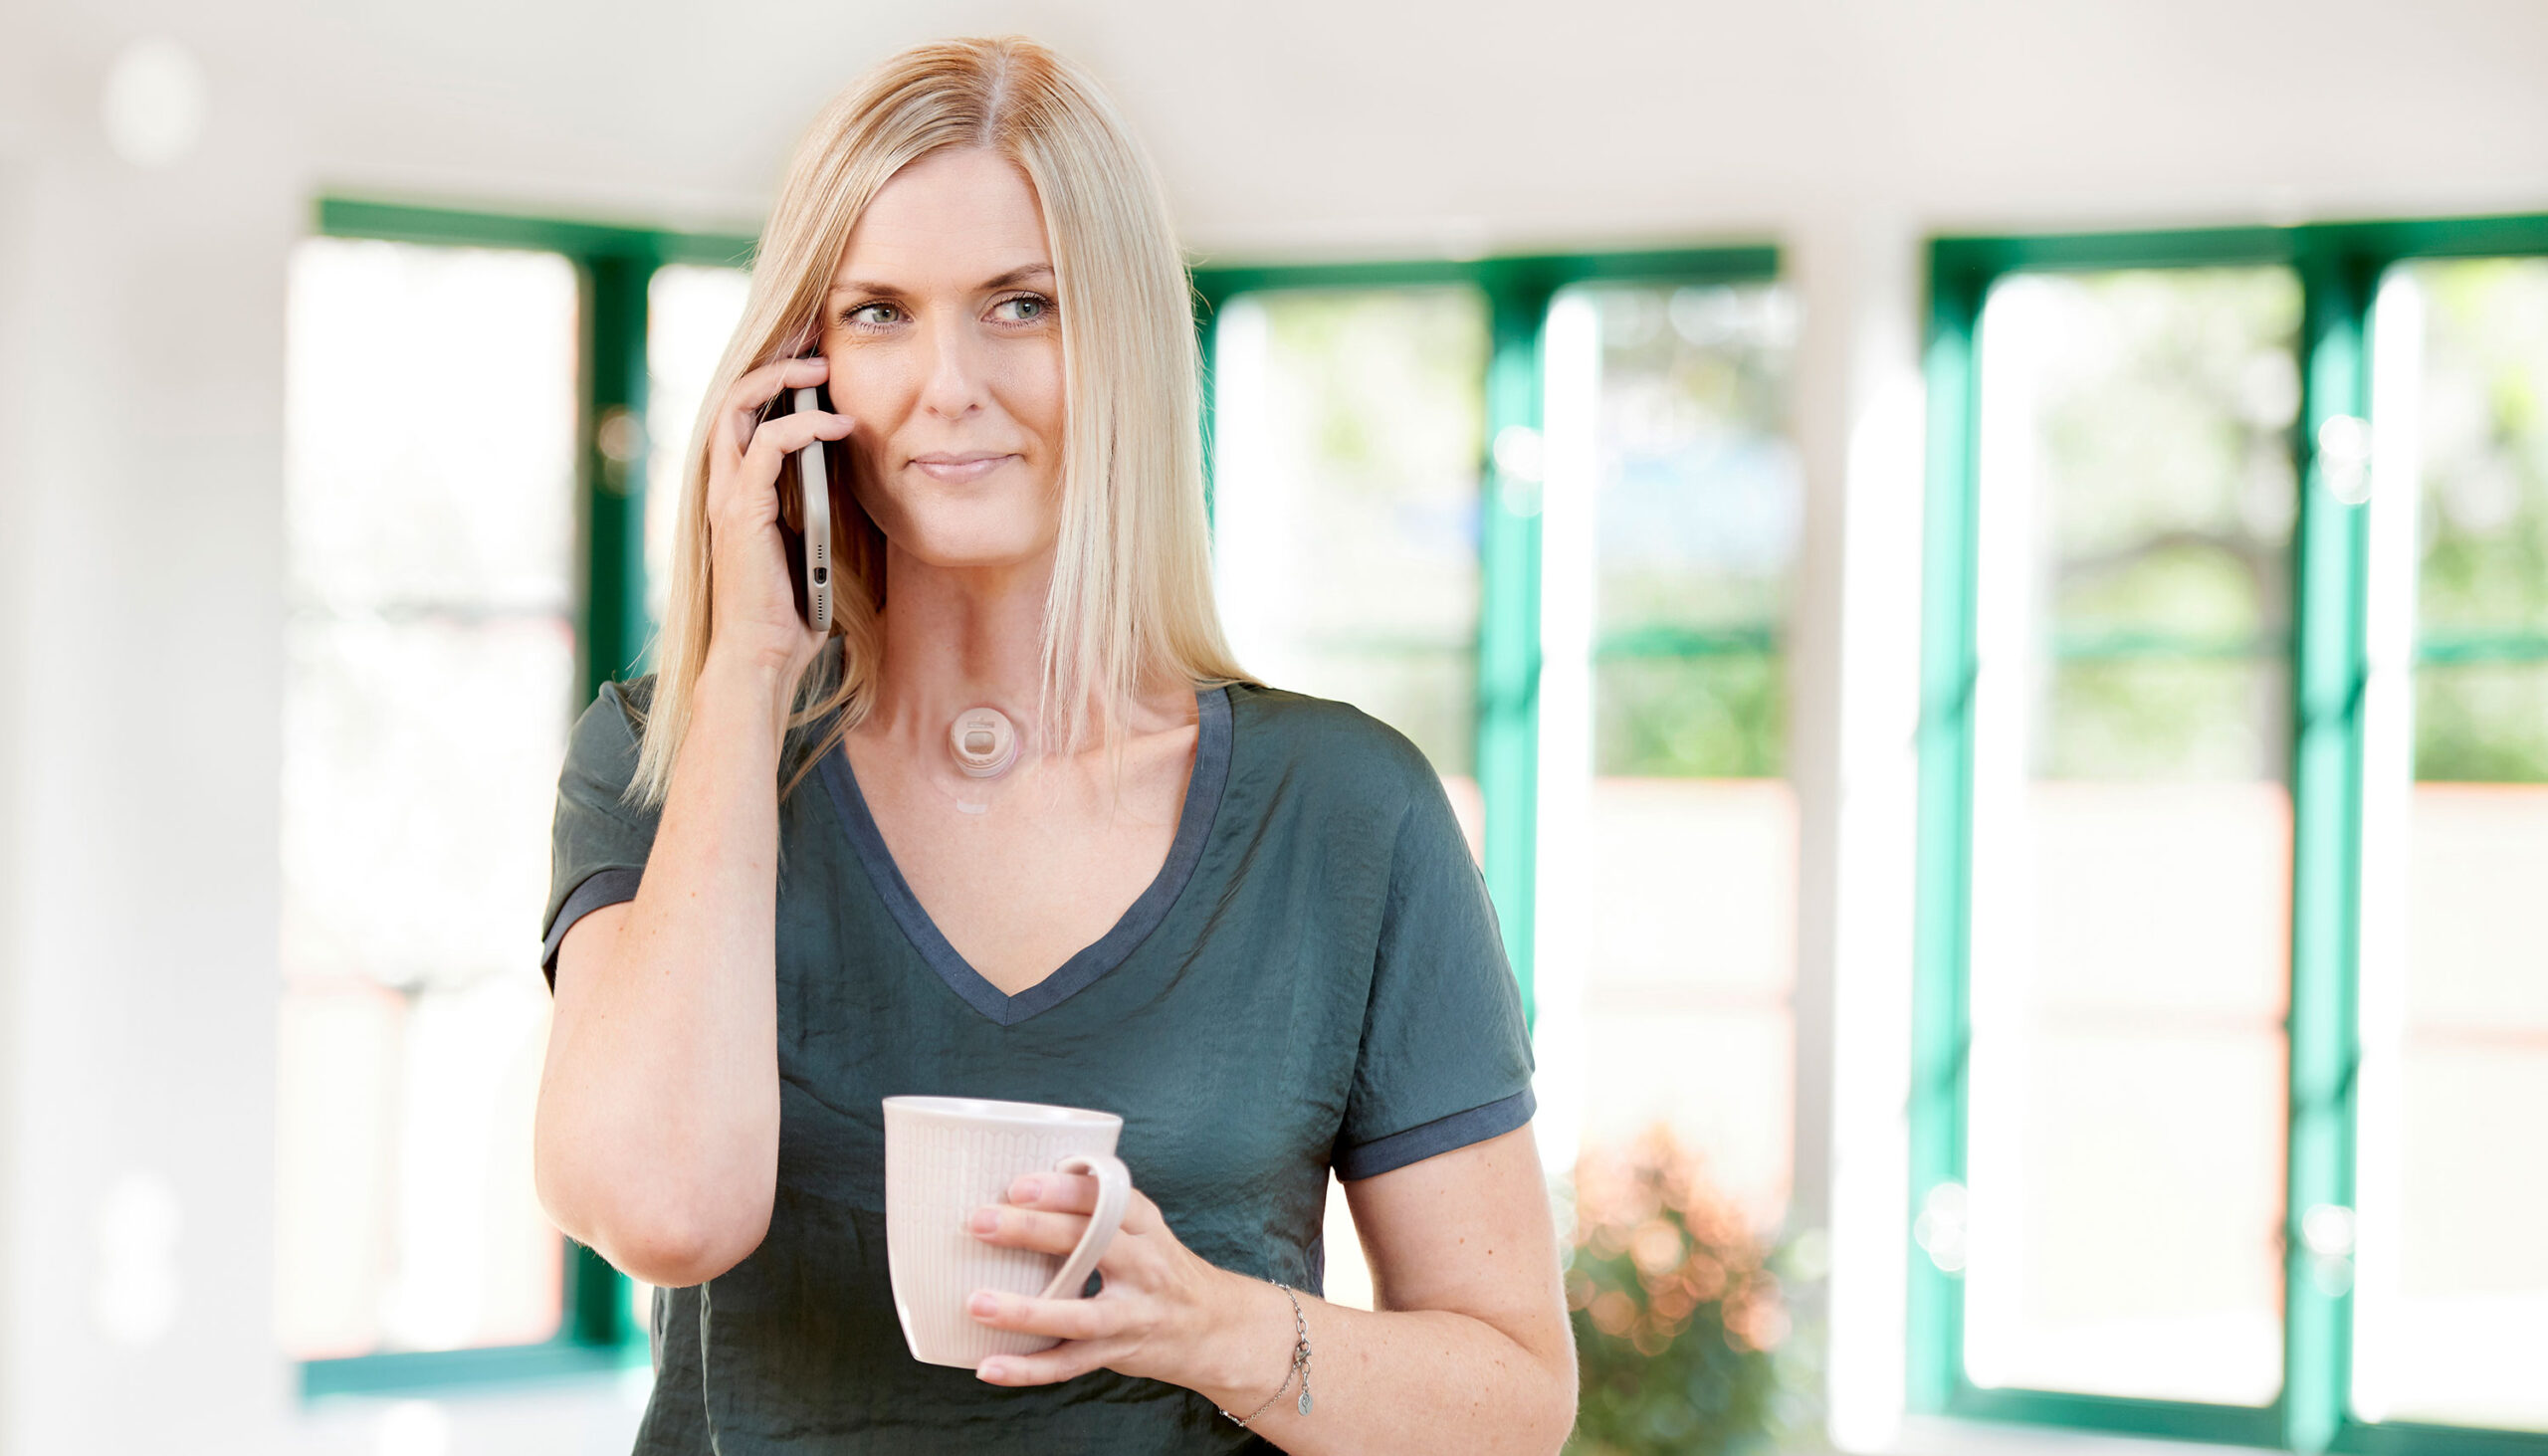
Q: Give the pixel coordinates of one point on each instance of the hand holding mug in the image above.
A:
(946, 1155)
(1160, 1314)
(996, 1213)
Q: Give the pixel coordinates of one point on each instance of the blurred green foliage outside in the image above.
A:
(2482, 589)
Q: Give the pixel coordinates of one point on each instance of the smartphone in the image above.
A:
(805, 513)
(814, 595)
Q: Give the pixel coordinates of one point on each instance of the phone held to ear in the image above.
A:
(816, 596)
(805, 513)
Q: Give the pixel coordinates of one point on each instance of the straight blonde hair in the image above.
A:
(1130, 607)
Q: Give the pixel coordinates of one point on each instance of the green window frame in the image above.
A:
(2339, 267)
(613, 266)
(1517, 292)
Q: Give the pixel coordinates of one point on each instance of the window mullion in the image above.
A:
(2329, 671)
(615, 628)
(1943, 910)
(1508, 648)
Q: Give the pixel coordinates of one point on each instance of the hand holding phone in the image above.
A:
(761, 608)
(806, 511)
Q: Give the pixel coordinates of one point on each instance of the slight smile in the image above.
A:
(956, 469)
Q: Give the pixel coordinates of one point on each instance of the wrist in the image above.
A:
(747, 677)
(1247, 1352)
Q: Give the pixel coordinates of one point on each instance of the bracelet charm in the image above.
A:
(1299, 1363)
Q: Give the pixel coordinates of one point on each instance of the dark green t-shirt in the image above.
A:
(1315, 979)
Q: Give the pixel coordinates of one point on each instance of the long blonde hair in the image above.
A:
(1130, 603)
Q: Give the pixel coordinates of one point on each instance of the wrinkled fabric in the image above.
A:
(1325, 986)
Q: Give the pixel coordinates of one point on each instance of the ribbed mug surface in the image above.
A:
(945, 1157)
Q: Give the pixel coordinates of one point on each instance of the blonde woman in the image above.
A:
(1241, 918)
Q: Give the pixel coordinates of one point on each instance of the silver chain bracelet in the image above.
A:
(1300, 1361)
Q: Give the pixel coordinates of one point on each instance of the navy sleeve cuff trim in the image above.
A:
(600, 887)
(1459, 1130)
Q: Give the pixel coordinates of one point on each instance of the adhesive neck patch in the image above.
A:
(983, 742)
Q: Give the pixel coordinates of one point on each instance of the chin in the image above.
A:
(962, 544)
(1003, 528)
(970, 556)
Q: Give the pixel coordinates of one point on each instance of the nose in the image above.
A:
(952, 388)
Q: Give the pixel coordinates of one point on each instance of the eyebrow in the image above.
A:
(1006, 280)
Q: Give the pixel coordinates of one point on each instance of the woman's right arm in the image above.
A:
(656, 1141)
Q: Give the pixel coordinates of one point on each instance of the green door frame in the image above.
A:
(2339, 266)
(613, 266)
(1517, 292)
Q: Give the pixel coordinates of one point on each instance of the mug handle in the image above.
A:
(1114, 1190)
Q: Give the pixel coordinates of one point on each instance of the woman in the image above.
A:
(1243, 918)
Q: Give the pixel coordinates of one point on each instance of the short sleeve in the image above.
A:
(1446, 1059)
(599, 842)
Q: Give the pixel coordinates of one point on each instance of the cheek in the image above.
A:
(872, 387)
(1032, 392)
(875, 392)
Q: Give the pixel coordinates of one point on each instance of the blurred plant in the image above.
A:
(1678, 1314)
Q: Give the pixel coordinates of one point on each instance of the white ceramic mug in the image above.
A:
(945, 1157)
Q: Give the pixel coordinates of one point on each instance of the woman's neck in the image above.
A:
(956, 639)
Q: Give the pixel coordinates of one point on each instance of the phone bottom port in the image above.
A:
(822, 575)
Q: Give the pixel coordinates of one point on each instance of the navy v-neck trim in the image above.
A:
(1193, 826)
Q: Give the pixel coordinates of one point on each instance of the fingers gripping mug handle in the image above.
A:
(1114, 1190)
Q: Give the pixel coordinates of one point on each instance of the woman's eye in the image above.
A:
(1024, 309)
(872, 316)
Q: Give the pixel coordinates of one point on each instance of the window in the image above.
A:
(2450, 1304)
(2227, 794)
(1540, 516)
(2124, 1139)
(465, 407)
(430, 653)
(1668, 837)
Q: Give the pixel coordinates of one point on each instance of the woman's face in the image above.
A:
(945, 355)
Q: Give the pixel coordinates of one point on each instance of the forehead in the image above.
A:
(959, 216)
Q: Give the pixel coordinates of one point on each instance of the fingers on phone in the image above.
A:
(748, 404)
(790, 433)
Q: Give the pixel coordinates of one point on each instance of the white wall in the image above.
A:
(141, 380)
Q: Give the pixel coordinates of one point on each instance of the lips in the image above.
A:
(957, 467)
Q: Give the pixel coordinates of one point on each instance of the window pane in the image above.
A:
(429, 673)
(1703, 713)
(1346, 429)
(691, 314)
(2132, 835)
(1688, 835)
(1699, 497)
(2451, 1306)
(2483, 722)
(426, 458)
(420, 767)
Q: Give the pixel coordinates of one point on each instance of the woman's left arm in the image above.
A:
(1469, 1352)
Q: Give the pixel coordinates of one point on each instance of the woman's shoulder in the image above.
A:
(602, 746)
(616, 716)
(1329, 741)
